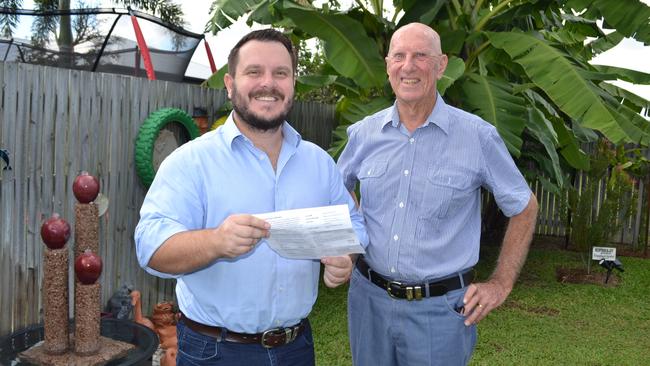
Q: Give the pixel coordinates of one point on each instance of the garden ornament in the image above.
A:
(164, 320)
(137, 311)
(610, 265)
(119, 305)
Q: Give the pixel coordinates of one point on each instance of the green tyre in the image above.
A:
(147, 157)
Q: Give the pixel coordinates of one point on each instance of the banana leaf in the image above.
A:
(225, 12)
(629, 17)
(494, 100)
(347, 47)
(632, 76)
(215, 81)
(455, 69)
(561, 81)
(542, 130)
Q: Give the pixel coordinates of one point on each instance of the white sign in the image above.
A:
(606, 253)
(310, 233)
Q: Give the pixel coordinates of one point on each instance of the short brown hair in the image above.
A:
(264, 35)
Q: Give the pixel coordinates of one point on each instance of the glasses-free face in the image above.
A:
(419, 57)
(414, 66)
(262, 88)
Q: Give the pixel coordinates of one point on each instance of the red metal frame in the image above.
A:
(146, 57)
(213, 67)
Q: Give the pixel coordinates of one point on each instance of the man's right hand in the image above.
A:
(191, 250)
(238, 234)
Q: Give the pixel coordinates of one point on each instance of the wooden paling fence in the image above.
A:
(633, 230)
(55, 123)
(551, 223)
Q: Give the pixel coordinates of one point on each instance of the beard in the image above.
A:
(262, 123)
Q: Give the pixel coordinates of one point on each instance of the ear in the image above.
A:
(227, 81)
(442, 66)
(386, 61)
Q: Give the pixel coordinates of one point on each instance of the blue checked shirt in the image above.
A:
(222, 173)
(420, 193)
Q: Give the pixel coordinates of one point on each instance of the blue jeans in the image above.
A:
(199, 349)
(387, 332)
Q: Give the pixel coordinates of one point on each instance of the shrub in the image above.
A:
(603, 202)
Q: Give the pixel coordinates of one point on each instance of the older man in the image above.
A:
(420, 165)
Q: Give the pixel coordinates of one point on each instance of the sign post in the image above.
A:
(606, 253)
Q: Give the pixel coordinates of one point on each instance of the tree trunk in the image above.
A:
(64, 40)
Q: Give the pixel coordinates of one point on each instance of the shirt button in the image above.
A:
(395, 237)
(406, 172)
(369, 171)
(401, 205)
(411, 140)
(392, 269)
(261, 157)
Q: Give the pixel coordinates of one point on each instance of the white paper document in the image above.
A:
(312, 233)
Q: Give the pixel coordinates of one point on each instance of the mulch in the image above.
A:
(580, 275)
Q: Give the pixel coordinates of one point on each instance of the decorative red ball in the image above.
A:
(55, 232)
(88, 267)
(85, 187)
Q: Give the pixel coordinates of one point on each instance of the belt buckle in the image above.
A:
(263, 339)
(290, 334)
(412, 292)
(389, 285)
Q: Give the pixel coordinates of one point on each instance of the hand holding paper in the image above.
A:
(240, 233)
(337, 270)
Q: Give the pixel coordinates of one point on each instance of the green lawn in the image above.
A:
(543, 322)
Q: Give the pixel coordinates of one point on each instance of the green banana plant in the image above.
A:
(522, 65)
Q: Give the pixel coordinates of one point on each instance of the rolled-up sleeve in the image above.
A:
(172, 205)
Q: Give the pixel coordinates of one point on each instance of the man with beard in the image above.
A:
(242, 303)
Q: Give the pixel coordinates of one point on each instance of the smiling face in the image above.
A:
(262, 88)
(415, 63)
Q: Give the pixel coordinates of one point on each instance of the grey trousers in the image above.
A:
(394, 332)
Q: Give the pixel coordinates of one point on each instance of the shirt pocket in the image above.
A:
(441, 191)
(372, 184)
(443, 186)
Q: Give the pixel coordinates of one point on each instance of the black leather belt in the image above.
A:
(269, 339)
(409, 292)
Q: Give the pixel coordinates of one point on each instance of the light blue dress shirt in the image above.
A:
(420, 192)
(222, 173)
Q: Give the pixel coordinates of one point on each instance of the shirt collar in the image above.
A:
(291, 136)
(439, 116)
(231, 132)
